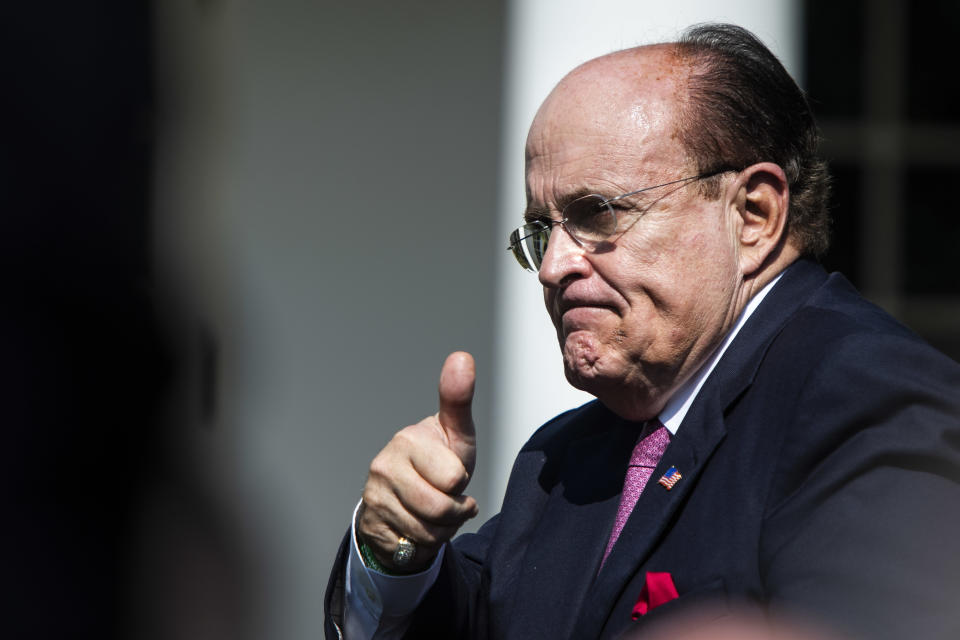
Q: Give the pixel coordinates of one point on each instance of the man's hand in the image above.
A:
(415, 486)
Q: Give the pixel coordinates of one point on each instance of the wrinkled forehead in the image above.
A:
(618, 107)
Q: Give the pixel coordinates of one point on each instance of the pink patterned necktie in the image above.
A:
(646, 455)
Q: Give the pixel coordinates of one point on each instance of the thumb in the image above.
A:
(457, 380)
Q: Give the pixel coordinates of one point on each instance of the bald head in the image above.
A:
(622, 100)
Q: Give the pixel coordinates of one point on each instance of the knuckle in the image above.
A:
(453, 480)
(380, 467)
(425, 500)
(380, 539)
(435, 507)
(417, 494)
(371, 502)
(406, 438)
(375, 515)
(372, 528)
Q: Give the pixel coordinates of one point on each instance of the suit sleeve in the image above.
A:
(456, 606)
(862, 528)
(363, 604)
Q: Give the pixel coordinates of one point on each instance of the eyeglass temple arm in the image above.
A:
(701, 176)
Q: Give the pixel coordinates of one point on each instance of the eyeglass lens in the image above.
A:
(529, 243)
(588, 220)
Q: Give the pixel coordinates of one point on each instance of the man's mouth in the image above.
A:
(565, 306)
(583, 316)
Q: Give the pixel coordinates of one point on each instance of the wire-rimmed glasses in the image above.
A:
(589, 220)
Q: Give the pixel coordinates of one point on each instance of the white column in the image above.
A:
(545, 40)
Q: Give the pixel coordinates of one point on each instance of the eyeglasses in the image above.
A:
(589, 220)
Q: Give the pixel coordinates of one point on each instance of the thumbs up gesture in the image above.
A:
(415, 486)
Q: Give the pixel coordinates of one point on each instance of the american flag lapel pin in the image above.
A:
(670, 478)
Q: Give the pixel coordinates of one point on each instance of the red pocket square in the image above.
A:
(657, 590)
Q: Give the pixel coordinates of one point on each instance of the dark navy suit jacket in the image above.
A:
(820, 471)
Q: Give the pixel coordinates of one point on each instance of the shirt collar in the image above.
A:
(673, 414)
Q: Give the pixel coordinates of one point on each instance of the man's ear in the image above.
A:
(762, 201)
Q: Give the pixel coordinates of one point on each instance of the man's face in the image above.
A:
(636, 319)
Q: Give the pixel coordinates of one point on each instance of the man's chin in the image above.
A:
(633, 404)
(586, 375)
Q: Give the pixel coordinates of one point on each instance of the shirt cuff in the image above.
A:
(371, 595)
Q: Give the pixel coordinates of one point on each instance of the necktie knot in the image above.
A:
(649, 449)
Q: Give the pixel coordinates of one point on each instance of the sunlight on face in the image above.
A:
(636, 319)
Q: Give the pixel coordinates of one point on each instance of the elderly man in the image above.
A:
(762, 436)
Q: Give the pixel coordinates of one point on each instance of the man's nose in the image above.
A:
(563, 260)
